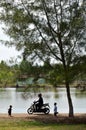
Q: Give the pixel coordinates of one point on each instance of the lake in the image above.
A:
(22, 100)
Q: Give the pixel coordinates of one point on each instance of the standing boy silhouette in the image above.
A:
(10, 110)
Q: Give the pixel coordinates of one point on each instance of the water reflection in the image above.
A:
(30, 92)
(21, 99)
(80, 94)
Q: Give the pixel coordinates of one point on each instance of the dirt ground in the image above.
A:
(60, 118)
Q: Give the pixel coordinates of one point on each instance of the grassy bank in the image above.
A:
(20, 124)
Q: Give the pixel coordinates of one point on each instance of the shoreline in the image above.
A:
(34, 114)
(61, 118)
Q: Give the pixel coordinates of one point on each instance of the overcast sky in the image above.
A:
(5, 52)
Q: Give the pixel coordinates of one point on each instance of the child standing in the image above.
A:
(10, 110)
(55, 109)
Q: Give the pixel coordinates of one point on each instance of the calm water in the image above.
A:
(21, 101)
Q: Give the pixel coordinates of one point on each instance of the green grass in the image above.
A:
(33, 125)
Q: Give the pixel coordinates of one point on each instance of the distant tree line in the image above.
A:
(10, 74)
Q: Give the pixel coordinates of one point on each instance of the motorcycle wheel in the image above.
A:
(29, 111)
(46, 111)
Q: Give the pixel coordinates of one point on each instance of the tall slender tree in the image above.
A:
(47, 29)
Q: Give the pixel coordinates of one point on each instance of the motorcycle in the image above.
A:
(45, 109)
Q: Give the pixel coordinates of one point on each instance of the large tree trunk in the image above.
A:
(71, 113)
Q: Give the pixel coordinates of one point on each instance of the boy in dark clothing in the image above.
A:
(10, 110)
(55, 109)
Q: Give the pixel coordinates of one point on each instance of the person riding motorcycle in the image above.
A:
(37, 106)
(39, 102)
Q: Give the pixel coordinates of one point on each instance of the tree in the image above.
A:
(7, 75)
(48, 29)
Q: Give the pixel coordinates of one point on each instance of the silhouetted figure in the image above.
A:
(55, 109)
(17, 86)
(10, 110)
(39, 102)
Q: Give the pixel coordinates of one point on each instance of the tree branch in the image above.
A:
(40, 33)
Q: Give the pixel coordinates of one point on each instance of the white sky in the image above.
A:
(7, 53)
